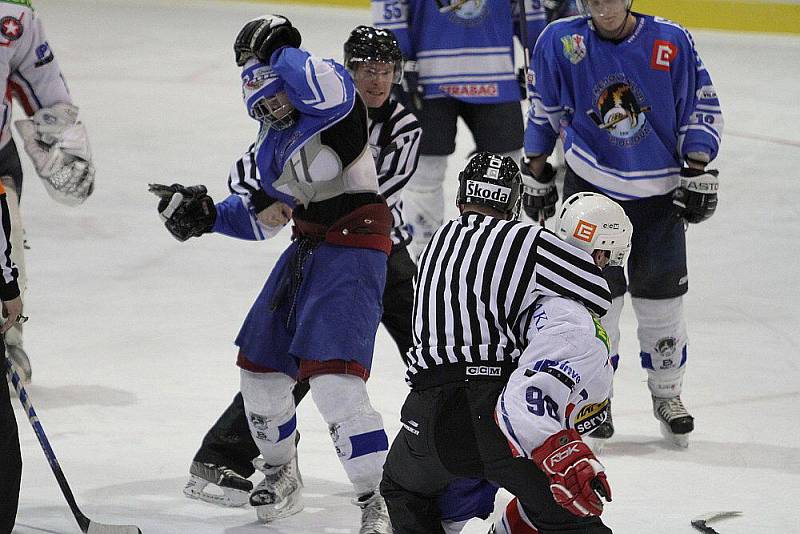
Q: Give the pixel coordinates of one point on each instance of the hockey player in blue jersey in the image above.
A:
(464, 56)
(316, 317)
(640, 121)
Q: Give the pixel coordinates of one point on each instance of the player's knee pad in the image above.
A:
(423, 201)
(662, 339)
(514, 520)
(610, 322)
(270, 411)
(355, 427)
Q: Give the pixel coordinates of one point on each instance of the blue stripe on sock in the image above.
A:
(286, 429)
(368, 443)
(647, 361)
(683, 356)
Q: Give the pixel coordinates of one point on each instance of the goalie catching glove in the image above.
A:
(59, 149)
(186, 211)
(696, 198)
(577, 479)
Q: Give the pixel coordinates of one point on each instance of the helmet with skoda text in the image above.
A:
(591, 221)
(372, 44)
(493, 181)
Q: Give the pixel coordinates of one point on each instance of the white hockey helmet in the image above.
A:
(591, 221)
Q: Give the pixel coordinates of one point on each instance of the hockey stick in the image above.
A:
(87, 525)
(701, 523)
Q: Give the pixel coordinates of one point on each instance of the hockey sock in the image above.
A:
(423, 201)
(662, 338)
(355, 428)
(270, 411)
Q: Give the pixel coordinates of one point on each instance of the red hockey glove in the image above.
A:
(577, 479)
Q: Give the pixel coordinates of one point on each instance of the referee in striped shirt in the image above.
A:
(374, 59)
(478, 277)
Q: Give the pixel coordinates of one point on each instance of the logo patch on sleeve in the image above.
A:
(664, 53)
(11, 27)
(590, 417)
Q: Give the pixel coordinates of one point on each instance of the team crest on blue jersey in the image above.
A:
(469, 11)
(574, 47)
(619, 110)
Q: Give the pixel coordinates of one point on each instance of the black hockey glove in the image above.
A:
(695, 199)
(539, 193)
(409, 91)
(186, 211)
(261, 37)
(553, 8)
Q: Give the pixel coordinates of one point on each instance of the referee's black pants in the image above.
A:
(10, 460)
(229, 443)
(449, 432)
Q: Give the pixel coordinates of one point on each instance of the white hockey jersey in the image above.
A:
(27, 64)
(563, 377)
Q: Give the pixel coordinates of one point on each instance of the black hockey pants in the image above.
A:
(449, 432)
(229, 443)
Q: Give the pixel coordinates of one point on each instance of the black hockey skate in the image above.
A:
(676, 423)
(217, 484)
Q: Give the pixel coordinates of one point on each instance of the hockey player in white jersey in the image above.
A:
(559, 392)
(640, 120)
(316, 317)
(53, 137)
(480, 279)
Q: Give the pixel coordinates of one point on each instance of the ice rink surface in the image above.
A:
(131, 333)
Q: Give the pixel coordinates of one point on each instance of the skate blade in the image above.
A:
(268, 513)
(200, 489)
(679, 440)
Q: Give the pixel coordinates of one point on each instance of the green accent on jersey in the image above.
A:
(26, 3)
(601, 334)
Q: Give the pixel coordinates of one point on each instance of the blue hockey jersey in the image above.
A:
(463, 48)
(294, 165)
(629, 113)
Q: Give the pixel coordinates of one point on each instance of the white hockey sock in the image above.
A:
(423, 201)
(355, 427)
(269, 407)
(662, 338)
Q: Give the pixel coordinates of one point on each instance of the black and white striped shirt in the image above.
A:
(394, 136)
(477, 278)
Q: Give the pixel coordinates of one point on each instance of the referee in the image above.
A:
(478, 277)
(10, 456)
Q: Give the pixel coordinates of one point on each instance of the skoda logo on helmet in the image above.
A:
(485, 191)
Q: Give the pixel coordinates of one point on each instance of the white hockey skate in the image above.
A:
(374, 515)
(279, 495)
(217, 484)
(676, 423)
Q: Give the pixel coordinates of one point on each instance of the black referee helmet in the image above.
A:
(493, 181)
